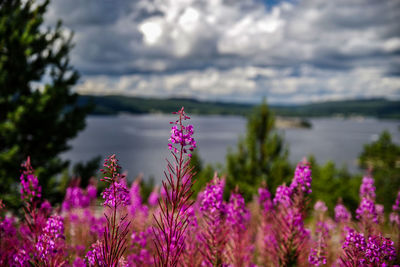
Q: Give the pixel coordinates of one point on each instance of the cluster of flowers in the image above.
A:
(181, 135)
(375, 250)
(76, 197)
(174, 228)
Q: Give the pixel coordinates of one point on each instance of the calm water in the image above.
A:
(140, 142)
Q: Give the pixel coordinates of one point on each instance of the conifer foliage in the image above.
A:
(39, 112)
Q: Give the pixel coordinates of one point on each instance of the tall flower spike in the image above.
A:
(237, 218)
(264, 199)
(173, 218)
(30, 188)
(342, 215)
(367, 188)
(302, 178)
(317, 255)
(213, 235)
(116, 197)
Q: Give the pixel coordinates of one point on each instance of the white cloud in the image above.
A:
(238, 50)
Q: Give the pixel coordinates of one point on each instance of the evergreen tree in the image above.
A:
(261, 156)
(39, 113)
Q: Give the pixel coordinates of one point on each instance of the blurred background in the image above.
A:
(268, 83)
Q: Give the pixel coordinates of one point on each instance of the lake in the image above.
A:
(140, 141)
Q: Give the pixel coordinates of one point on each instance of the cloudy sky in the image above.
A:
(236, 50)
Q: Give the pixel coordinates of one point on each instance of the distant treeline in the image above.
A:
(115, 104)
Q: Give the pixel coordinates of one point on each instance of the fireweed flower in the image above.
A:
(78, 262)
(287, 224)
(342, 214)
(237, 219)
(7, 228)
(116, 197)
(302, 178)
(116, 194)
(264, 199)
(136, 204)
(172, 221)
(394, 218)
(237, 215)
(191, 255)
(140, 255)
(22, 258)
(367, 188)
(153, 198)
(211, 199)
(380, 250)
(213, 235)
(283, 196)
(45, 207)
(94, 255)
(367, 210)
(30, 188)
(46, 245)
(317, 255)
(320, 206)
(181, 136)
(375, 250)
(76, 197)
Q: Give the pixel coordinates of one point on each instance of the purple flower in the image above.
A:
(94, 256)
(379, 249)
(181, 135)
(136, 199)
(342, 214)
(153, 198)
(264, 199)
(372, 250)
(45, 207)
(394, 218)
(367, 188)
(367, 210)
(54, 226)
(320, 206)
(294, 218)
(237, 214)
(282, 196)
(315, 258)
(317, 255)
(22, 258)
(46, 245)
(78, 262)
(30, 187)
(211, 199)
(213, 236)
(302, 178)
(91, 192)
(121, 196)
(396, 206)
(75, 198)
(7, 227)
(355, 240)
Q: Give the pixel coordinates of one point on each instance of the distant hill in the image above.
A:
(115, 104)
